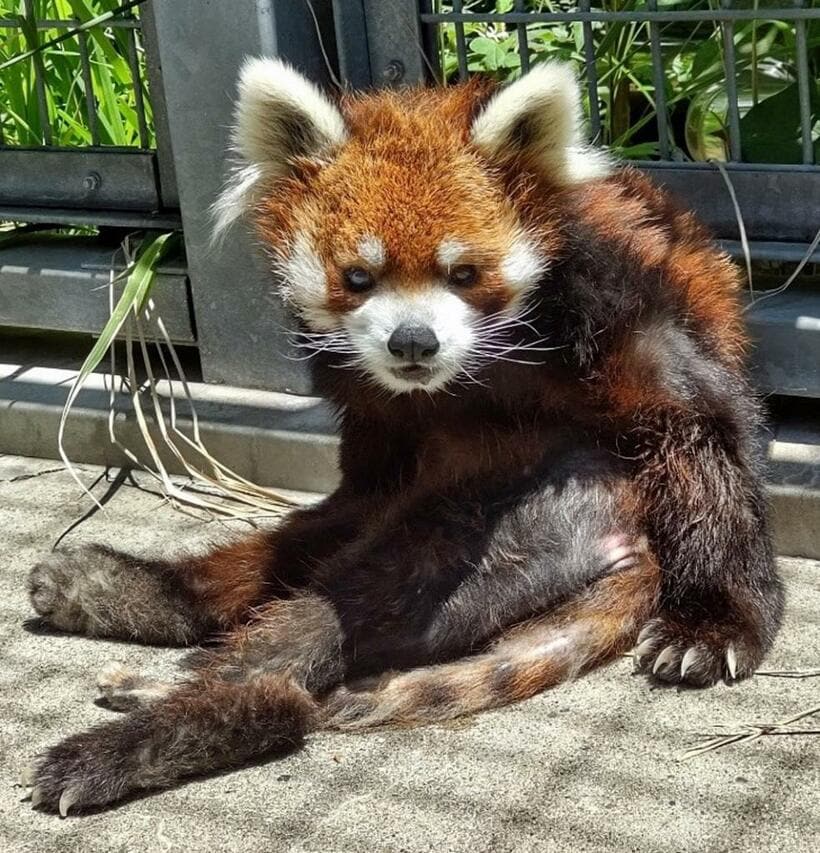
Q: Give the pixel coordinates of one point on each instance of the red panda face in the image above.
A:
(387, 220)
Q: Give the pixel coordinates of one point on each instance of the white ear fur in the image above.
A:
(280, 115)
(540, 115)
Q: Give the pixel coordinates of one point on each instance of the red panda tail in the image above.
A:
(584, 633)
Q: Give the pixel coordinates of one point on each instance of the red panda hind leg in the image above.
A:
(249, 698)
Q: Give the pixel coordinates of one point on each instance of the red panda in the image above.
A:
(547, 443)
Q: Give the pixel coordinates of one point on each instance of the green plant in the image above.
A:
(156, 385)
(693, 61)
(113, 87)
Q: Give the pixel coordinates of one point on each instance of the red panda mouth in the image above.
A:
(414, 373)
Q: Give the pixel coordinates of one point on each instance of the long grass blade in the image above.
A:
(138, 279)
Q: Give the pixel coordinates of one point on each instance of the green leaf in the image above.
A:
(491, 54)
(138, 280)
(770, 131)
(134, 296)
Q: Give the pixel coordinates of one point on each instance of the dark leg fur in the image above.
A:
(722, 599)
(201, 726)
(252, 695)
(249, 699)
(102, 592)
(452, 572)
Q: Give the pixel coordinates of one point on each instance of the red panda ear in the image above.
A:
(281, 119)
(539, 118)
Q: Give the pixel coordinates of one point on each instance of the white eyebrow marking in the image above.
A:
(450, 252)
(372, 251)
(523, 265)
(522, 268)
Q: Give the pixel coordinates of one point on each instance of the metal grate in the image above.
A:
(667, 81)
(80, 137)
(70, 87)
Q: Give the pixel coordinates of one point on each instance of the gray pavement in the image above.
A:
(591, 766)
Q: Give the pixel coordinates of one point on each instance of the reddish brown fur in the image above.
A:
(470, 543)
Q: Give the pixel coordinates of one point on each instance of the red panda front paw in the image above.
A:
(673, 652)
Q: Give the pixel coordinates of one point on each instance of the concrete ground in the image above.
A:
(590, 766)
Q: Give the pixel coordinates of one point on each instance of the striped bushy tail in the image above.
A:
(584, 633)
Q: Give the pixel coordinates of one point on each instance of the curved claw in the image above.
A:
(67, 799)
(690, 658)
(644, 648)
(645, 634)
(731, 661)
(36, 796)
(665, 657)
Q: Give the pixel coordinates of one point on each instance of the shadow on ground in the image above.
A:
(590, 766)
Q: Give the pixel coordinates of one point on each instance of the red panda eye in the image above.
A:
(463, 275)
(358, 280)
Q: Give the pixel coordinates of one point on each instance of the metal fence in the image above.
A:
(188, 52)
(653, 28)
(183, 58)
(73, 153)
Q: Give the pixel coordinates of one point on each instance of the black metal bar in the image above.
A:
(778, 203)
(88, 83)
(804, 93)
(461, 42)
(62, 285)
(764, 13)
(591, 75)
(39, 79)
(351, 43)
(82, 216)
(396, 43)
(200, 96)
(136, 80)
(523, 41)
(659, 84)
(165, 155)
(104, 178)
(733, 111)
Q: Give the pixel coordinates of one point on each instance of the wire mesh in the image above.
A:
(67, 82)
(669, 80)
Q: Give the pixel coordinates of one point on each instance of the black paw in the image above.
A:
(70, 589)
(54, 590)
(79, 773)
(675, 653)
(124, 690)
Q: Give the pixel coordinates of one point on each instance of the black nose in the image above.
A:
(413, 343)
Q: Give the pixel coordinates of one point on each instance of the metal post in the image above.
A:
(659, 82)
(591, 75)
(398, 46)
(461, 43)
(240, 325)
(153, 68)
(803, 88)
(728, 34)
(351, 43)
